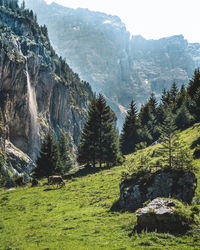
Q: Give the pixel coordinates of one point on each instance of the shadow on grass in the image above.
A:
(195, 143)
(86, 170)
(51, 189)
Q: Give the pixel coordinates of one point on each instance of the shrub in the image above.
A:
(196, 153)
(19, 181)
(34, 183)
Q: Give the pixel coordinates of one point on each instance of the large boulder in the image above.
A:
(163, 215)
(144, 185)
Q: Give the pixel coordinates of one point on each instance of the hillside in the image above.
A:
(100, 49)
(38, 89)
(79, 217)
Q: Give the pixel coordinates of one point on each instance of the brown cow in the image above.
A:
(52, 180)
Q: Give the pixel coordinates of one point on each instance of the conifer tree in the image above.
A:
(153, 103)
(87, 149)
(197, 102)
(64, 151)
(128, 137)
(182, 96)
(169, 139)
(99, 135)
(183, 117)
(194, 84)
(48, 162)
(173, 92)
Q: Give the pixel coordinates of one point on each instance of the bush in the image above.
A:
(196, 153)
(34, 183)
(19, 181)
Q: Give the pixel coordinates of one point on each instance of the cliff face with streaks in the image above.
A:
(99, 48)
(38, 90)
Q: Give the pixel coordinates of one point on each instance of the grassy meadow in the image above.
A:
(78, 216)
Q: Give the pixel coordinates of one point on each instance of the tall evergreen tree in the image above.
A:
(153, 103)
(194, 84)
(99, 135)
(182, 97)
(128, 137)
(183, 117)
(197, 105)
(48, 162)
(173, 92)
(87, 149)
(64, 151)
(169, 138)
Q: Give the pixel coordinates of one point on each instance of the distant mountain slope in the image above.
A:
(38, 90)
(99, 48)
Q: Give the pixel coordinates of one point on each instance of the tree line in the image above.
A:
(143, 128)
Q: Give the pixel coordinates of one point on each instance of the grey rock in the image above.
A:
(160, 215)
(136, 189)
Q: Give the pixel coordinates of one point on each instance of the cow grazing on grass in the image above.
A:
(53, 180)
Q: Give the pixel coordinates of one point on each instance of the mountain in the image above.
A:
(101, 50)
(38, 90)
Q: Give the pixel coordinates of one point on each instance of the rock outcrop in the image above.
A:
(18, 162)
(38, 90)
(100, 49)
(144, 186)
(163, 216)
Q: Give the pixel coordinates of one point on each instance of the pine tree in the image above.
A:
(99, 135)
(166, 97)
(183, 118)
(87, 148)
(107, 134)
(173, 93)
(64, 151)
(148, 121)
(169, 139)
(153, 103)
(194, 84)
(128, 137)
(182, 96)
(48, 162)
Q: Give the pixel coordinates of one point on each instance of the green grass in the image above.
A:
(78, 216)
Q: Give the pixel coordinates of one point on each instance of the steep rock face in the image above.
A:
(99, 48)
(137, 189)
(31, 74)
(160, 62)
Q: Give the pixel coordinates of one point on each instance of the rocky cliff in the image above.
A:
(100, 49)
(38, 90)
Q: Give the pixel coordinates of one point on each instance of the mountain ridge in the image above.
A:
(101, 50)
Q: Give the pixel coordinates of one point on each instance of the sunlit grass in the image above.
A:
(78, 216)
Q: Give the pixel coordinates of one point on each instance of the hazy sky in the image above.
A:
(150, 18)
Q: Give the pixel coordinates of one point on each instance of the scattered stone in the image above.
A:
(161, 215)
